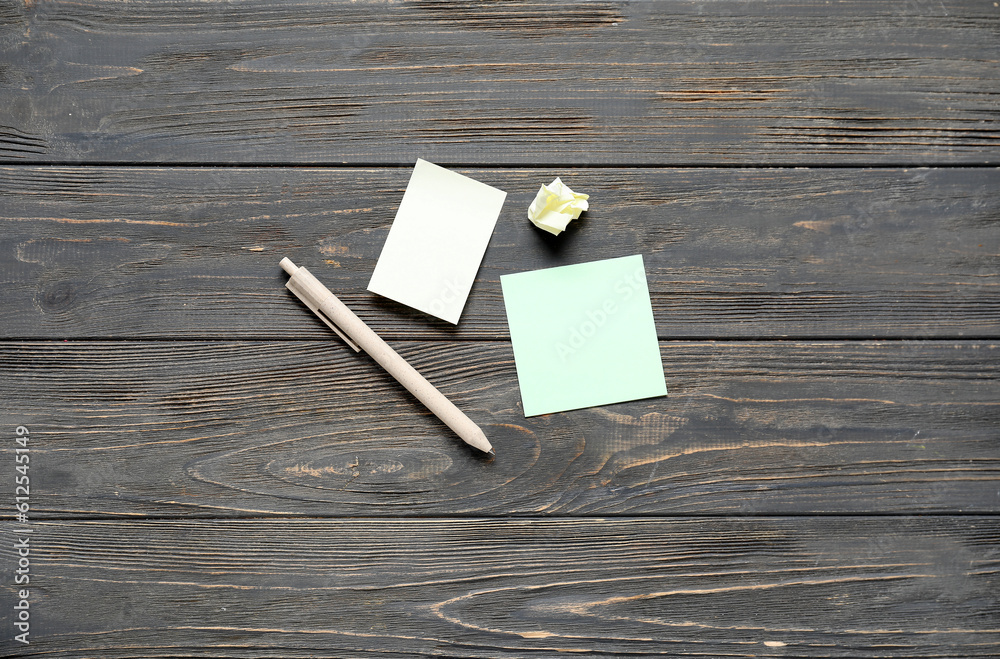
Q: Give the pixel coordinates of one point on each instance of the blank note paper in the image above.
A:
(583, 335)
(437, 241)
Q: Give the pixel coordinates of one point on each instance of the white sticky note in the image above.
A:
(437, 241)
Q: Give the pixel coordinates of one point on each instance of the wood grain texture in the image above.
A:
(193, 252)
(656, 82)
(214, 474)
(310, 428)
(807, 587)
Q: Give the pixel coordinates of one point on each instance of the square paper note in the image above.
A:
(437, 241)
(583, 335)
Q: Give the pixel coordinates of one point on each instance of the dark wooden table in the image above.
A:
(815, 190)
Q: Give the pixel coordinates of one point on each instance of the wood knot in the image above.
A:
(59, 296)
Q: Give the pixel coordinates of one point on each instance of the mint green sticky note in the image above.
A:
(583, 335)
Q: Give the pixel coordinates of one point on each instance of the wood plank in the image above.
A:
(807, 587)
(309, 428)
(193, 252)
(670, 82)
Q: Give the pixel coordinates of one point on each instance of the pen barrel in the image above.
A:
(317, 296)
(400, 369)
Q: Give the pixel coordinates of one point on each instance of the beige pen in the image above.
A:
(359, 336)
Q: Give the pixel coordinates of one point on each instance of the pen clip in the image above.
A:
(293, 285)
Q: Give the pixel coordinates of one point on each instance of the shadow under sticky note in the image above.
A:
(583, 335)
(437, 241)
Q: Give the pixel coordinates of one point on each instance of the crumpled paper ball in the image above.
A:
(555, 206)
